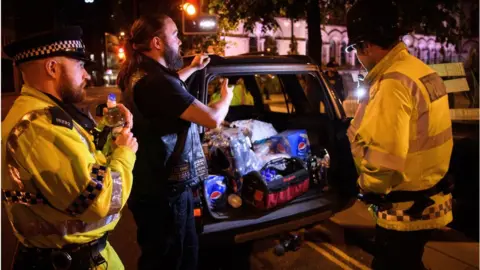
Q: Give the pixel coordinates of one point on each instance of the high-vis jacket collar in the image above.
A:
(385, 63)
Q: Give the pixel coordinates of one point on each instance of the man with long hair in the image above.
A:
(171, 160)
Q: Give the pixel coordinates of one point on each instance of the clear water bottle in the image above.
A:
(113, 117)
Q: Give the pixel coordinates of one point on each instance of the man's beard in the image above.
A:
(173, 59)
(70, 93)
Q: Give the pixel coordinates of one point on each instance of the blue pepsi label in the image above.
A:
(302, 146)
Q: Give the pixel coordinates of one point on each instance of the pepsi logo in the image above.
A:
(302, 146)
(215, 195)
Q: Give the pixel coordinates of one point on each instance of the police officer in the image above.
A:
(171, 161)
(61, 194)
(401, 138)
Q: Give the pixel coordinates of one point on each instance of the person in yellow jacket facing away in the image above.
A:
(61, 194)
(401, 138)
(241, 96)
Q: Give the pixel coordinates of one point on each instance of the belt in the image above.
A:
(71, 256)
(421, 199)
(179, 187)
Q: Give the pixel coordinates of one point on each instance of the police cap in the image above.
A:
(65, 41)
(372, 20)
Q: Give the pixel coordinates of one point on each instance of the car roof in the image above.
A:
(216, 60)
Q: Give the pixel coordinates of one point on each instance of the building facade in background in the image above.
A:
(335, 40)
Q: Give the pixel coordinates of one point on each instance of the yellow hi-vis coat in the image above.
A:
(56, 187)
(401, 138)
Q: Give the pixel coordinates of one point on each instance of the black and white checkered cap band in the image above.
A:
(66, 45)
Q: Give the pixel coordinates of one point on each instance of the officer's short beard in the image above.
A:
(173, 59)
(69, 92)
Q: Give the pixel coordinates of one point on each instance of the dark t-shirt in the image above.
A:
(162, 96)
(159, 98)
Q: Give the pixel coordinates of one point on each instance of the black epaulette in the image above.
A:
(60, 117)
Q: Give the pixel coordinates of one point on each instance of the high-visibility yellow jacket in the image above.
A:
(240, 96)
(57, 188)
(401, 138)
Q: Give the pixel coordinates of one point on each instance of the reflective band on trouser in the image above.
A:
(423, 141)
(69, 227)
(429, 213)
(80, 205)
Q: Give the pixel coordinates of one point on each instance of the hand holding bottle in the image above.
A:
(127, 115)
(126, 138)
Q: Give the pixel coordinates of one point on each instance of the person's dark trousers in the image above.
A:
(166, 232)
(399, 250)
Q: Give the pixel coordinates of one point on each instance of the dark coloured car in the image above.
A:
(298, 98)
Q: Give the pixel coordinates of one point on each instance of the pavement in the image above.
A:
(449, 248)
(342, 242)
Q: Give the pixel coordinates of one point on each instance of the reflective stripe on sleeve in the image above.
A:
(68, 227)
(116, 202)
(385, 160)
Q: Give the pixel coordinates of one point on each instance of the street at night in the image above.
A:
(342, 242)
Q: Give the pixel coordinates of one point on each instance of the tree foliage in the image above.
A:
(442, 18)
(265, 12)
(250, 12)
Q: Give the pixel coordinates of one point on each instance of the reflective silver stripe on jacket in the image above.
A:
(69, 227)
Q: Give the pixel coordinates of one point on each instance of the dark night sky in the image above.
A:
(30, 16)
(21, 18)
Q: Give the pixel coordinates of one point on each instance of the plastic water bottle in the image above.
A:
(113, 117)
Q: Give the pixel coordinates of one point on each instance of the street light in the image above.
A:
(121, 53)
(89, 1)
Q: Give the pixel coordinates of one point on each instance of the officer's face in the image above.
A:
(73, 80)
(172, 45)
(363, 55)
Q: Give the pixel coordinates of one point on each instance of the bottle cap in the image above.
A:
(112, 97)
(234, 200)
